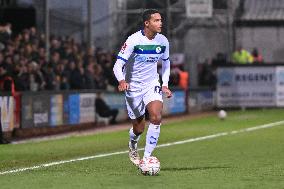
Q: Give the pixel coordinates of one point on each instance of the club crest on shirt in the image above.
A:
(158, 49)
(123, 48)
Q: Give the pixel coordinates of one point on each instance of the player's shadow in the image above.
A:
(193, 168)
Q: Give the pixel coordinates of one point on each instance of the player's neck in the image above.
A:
(149, 34)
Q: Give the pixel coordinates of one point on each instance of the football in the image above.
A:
(222, 114)
(149, 166)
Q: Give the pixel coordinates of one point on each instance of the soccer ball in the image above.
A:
(149, 166)
(222, 114)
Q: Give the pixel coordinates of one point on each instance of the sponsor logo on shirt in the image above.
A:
(152, 59)
(139, 58)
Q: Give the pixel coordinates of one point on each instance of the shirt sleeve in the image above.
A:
(123, 55)
(117, 70)
(166, 70)
(166, 54)
(126, 50)
(166, 65)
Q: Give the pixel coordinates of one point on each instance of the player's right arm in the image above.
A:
(166, 70)
(123, 55)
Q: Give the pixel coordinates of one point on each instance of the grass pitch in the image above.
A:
(252, 159)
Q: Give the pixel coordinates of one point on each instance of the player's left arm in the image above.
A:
(166, 69)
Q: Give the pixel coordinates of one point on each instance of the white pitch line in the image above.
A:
(159, 146)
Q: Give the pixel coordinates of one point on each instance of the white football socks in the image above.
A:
(151, 139)
(133, 139)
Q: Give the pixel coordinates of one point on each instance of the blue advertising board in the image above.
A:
(74, 108)
(177, 102)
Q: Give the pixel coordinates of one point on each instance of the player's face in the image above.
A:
(155, 23)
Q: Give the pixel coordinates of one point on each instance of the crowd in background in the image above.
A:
(207, 69)
(71, 65)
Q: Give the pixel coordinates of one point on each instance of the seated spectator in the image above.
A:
(89, 76)
(103, 110)
(93, 68)
(5, 79)
(100, 81)
(64, 84)
(241, 56)
(77, 79)
(22, 78)
(257, 58)
(50, 78)
(207, 77)
(219, 59)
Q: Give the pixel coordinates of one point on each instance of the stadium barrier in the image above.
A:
(201, 99)
(38, 113)
(250, 85)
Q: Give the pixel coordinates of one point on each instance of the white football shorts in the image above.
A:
(138, 98)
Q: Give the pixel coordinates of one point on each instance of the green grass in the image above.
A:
(244, 160)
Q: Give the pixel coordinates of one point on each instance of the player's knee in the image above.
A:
(155, 118)
(138, 130)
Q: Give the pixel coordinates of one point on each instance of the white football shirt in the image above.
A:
(141, 56)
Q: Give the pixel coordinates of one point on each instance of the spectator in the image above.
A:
(89, 76)
(59, 69)
(108, 73)
(100, 80)
(257, 58)
(50, 78)
(64, 84)
(89, 56)
(55, 58)
(241, 56)
(22, 78)
(220, 59)
(5, 33)
(104, 110)
(55, 45)
(5, 79)
(25, 39)
(77, 79)
(183, 78)
(33, 34)
(69, 69)
(41, 53)
(36, 79)
(206, 75)
(8, 62)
